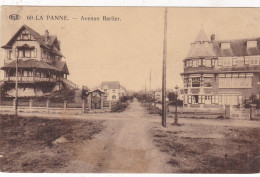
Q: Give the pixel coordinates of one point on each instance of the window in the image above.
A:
(200, 63)
(208, 63)
(207, 99)
(9, 53)
(246, 61)
(220, 62)
(225, 45)
(227, 62)
(25, 73)
(25, 36)
(253, 60)
(213, 62)
(207, 81)
(37, 74)
(190, 63)
(236, 81)
(234, 61)
(24, 53)
(196, 82)
(195, 63)
(34, 53)
(195, 99)
(228, 99)
(250, 44)
(203, 62)
(113, 97)
(186, 81)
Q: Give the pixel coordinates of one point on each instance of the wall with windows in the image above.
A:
(23, 54)
(230, 91)
(241, 61)
(199, 62)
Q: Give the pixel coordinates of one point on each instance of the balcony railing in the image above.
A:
(30, 79)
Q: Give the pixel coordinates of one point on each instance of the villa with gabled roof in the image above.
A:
(40, 66)
(113, 90)
(218, 73)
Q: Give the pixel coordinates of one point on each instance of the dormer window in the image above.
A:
(225, 45)
(250, 44)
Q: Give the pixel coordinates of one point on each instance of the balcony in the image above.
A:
(29, 79)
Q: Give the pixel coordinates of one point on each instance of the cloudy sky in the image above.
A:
(127, 50)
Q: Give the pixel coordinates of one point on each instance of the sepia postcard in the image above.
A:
(165, 90)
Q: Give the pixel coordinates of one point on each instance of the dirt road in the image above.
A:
(125, 146)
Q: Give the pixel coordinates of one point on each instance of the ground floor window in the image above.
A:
(193, 99)
(202, 99)
(240, 80)
(229, 99)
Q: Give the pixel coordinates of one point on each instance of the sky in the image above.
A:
(127, 50)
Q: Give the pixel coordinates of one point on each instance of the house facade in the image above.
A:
(40, 66)
(113, 90)
(218, 73)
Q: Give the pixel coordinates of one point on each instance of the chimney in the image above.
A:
(46, 37)
(212, 37)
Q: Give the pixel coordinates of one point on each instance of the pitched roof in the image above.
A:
(237, 48)
(39, 38)
(111, 84)
(201, 36)
(31, 63)
(61, 66)
(201, 50)
(202, 47)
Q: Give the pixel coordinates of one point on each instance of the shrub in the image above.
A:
(119, 106)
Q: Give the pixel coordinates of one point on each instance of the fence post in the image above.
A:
(89, 102)
(252, 111)
(110, 105)
(47, 105)
(102, 101)
(83, 107)
(14, 104)
(227, 111)
(30, 104)
(65, 105)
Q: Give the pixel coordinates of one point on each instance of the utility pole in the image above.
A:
(150, 79)
(145, 93)
(164, 71)
(16, 86)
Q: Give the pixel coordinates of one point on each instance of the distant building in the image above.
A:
(41, 69)
(113, 90)
(158, 96)
(218, 73)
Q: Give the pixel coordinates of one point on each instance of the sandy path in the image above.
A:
(125, 146)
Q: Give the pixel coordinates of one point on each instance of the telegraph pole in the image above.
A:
(145, 93)
(16, 85)
(150, 79)
(164, 71)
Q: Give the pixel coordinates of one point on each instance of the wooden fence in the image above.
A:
(51, 107)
